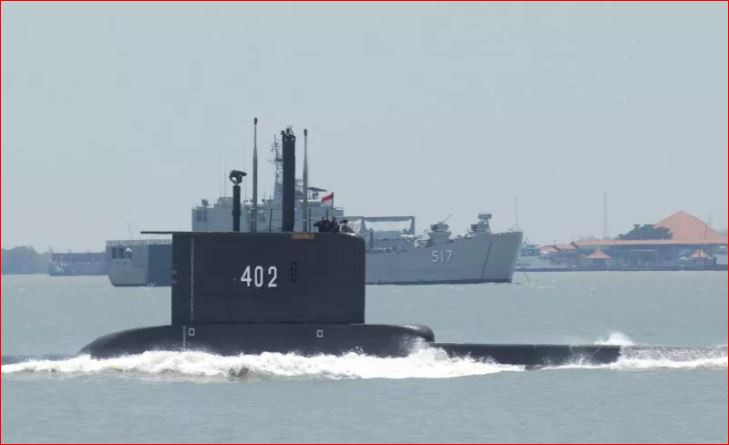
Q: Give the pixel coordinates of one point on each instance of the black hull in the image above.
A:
(533, 355)
(335, 339)
(628, 269)
(425, 283)
(233, 339)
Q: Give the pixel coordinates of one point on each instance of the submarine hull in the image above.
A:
(333, 339)
(533, 355)
(235, 339)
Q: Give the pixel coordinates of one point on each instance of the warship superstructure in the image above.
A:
(394, 253)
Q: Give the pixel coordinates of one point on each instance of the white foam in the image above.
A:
(616, 338)
(673, 358)
(628, 364)
(644, 358)
(424, 362)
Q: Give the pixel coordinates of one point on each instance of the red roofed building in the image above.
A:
(598, 255)
(598, 259)
(686, 230)
(688, 235)
(686, 227)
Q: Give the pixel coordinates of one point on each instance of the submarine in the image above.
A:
(250, 292)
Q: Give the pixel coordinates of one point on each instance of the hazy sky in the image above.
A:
(121, 114)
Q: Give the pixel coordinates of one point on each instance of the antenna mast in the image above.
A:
(254, 215)
(306, 181)
(225, 190)
(221, 183)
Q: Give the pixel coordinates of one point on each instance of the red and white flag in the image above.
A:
(327, 200)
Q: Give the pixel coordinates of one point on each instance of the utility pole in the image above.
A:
(604, 216)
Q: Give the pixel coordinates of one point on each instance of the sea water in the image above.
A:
(652, 394)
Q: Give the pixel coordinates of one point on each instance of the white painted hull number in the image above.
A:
(441, 256)
(259, 276)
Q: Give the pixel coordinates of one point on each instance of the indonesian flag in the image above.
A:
(327, 200)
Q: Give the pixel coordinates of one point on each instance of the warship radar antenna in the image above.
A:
(277, 162)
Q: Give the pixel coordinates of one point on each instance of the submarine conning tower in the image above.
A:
(284, 277)
(267, 278)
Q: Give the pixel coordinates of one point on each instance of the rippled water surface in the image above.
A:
(652, 394)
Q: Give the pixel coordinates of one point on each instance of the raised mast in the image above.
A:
(305, 207)
(288, 147)
(254, 212)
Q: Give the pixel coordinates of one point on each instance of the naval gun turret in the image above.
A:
(289, 291)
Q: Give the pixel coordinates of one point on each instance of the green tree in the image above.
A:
(23, 259)
(646, 231)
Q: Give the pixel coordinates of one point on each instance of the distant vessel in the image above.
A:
(77, 263)
(401, 258)
(531, 259)
(145, 262)
(720, 258)
(394, 254)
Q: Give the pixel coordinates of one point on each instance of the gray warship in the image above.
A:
(395, 254)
